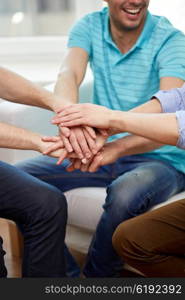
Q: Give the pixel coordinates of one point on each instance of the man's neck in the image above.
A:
(125, 39)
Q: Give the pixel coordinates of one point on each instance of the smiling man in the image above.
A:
(132, 54)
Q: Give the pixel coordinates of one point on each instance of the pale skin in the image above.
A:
(19, 138)
(15, 88)
(143, 124)
(125, 29)
(80, 140)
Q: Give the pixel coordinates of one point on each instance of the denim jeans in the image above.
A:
(40, 212)
(134, 184)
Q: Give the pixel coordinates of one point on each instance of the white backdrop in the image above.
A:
(174, 10)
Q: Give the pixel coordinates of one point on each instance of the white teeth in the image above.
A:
(132, 11)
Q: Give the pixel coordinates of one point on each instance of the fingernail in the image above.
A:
(84, 160)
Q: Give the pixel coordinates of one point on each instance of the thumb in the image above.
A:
(65, 131)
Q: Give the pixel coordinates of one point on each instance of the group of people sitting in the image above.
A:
(129, 139)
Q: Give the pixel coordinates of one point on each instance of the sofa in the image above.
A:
(81, 226)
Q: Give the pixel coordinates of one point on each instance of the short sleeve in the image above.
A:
(171, 57)
(180, 115)
(80, 35)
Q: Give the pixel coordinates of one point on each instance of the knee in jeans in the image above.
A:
(119, 204)
(48, 203)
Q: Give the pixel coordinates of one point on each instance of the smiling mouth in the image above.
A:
(132, 12)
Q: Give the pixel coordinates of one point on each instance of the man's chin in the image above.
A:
(130, 27)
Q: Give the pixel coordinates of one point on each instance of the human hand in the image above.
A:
(84, 114)
(53, 146)
(80, 140)
(84, 166)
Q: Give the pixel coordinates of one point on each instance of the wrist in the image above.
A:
(117, 121)
(38, 144)
(60, 103)
(120, 147)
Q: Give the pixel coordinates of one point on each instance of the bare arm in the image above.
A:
(154, 106)
(71, 75)
(18, 138)
(15, 88)
(143, 144)
(73, 69)
(161, 128)
(146, 126)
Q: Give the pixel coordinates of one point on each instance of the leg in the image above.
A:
(131, 194)
(45, 168)
(3, 271)
(39, 210)
(154, 243)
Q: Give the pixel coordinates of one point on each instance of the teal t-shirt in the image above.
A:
(124, 81)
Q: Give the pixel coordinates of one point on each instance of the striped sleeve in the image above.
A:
(171, 58)
(80, 35)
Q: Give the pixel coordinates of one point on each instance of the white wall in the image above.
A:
(86, 6)
(174, 10)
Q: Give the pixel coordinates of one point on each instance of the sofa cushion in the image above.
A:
(85, 206)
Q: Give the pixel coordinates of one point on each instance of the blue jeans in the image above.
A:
(134, 184)
(40, 212)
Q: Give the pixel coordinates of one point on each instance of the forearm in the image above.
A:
(15, 88)
(18, 138)
(132, 144)
(67, 87)
(160, 128)
(152, 106)
(71, 75)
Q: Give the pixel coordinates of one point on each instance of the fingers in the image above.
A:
(53, 148)
(64, 131)
(69, 109)
(62, 157)
(103, 132)
(64, 135)
(71, 168)
(77, 122)
(76, 164)
(80, 138)
(85, 167)
(51, 138)
(75, 144)
(96, 163)
(64, 119)
(65, 139)
(91, 131)
(91, 142)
